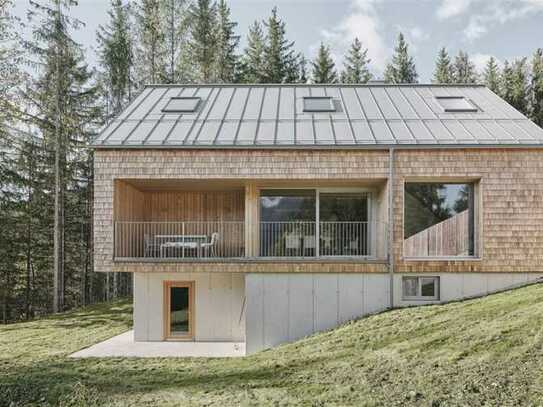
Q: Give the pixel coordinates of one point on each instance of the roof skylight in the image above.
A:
(455, 104)
(182, 105)
(319, 104)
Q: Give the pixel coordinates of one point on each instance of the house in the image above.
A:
(264, 213)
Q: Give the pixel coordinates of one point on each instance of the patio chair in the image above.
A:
(309, 244)
(151, 248)
(210, 249)
(293, 243)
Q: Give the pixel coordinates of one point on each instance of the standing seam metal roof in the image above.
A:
(245, 116)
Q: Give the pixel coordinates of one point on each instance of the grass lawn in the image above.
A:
(479, 352)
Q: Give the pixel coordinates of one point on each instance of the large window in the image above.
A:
(439, 219)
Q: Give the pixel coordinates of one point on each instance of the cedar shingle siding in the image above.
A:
(510, 194)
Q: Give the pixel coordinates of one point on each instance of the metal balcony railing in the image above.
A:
(323, 239)
(179, 240)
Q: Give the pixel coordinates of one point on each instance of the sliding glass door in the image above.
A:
(310, 222)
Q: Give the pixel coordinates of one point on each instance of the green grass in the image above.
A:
(479, 352)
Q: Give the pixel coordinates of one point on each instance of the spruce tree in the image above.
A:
(150, 48)
(355, 69)
(536, 105)
(174, 27)
(515, 88)
(64, 106)
(226, 59)
(202, 39)
(279, 57)
(323, 67)
(402, 67)
(253, 70)
(115, 49)
(491, 75)
(444, 71)
(464, 69)
(302, 69)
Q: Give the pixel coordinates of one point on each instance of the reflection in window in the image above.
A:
(438, 220)
(420, 288)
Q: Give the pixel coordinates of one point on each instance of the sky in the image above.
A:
(506, 29)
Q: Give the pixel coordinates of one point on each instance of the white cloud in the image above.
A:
(452, 8)
(362, 22)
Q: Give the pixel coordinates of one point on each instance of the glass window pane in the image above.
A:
(182, 104)
(179, 311)
(318, 104)
(428, 287)
(438, 220)
(410, 287)
(344, 229)
(455, 104)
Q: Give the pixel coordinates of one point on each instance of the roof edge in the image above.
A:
(317, 85)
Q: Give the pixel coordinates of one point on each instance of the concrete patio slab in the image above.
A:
(123, 345)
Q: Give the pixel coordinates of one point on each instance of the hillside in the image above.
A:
(479, 352)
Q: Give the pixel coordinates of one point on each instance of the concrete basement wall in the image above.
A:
(218, 304)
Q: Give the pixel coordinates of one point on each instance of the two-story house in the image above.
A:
(264, 213)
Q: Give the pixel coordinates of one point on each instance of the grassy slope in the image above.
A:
(478, 352)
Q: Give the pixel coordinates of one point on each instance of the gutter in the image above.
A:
(390, 244)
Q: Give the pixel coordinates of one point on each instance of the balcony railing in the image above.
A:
(345, 239)
(179, 240)
(175, 241)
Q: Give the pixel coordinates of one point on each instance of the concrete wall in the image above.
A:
(285, 307)
(218, 304)
(457, 286)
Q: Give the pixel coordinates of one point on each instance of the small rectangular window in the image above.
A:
(181, 105)
(319, 104)
(420, 288)
(439, 220)
(455, 104)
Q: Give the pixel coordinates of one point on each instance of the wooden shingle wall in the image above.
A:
(509, 193)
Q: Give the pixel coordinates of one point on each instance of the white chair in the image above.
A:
(151, 247)
(293, 243)
(211, 247)
(309, 243)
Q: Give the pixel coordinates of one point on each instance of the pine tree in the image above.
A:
(150, 48)
(491, 75)
(515, 85)
(253, 56)
(402, 67)
(226, 59)
(302, 69)
(202, 39)
(536, 105)
(323, 67)
(356, 63)
(444, 71)
(279, 57)
(63, 98)
(116, 56)
(464, 69)
(174, 26)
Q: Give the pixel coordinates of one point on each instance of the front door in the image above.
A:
(178, 310)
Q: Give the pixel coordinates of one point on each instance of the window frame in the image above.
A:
(419, 296)
(330, 109)
(197, 99)
(473, 109)
(477, 208)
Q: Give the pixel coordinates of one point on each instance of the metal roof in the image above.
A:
(260, 116)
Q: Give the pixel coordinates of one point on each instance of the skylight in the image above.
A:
(182, 105)
(319, 104)
(455, 104)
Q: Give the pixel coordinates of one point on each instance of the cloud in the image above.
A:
(452, 8)
(364, 23)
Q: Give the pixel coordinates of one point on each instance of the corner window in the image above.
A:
(319, 104)
(439, 220)
(420, 288)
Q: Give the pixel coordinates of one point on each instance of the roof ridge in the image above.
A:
(317, 85)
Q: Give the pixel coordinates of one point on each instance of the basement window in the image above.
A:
(182, 105)
(420, 288)
(318, 104)
(456, 104)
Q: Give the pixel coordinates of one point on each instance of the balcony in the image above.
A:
(182, 221)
